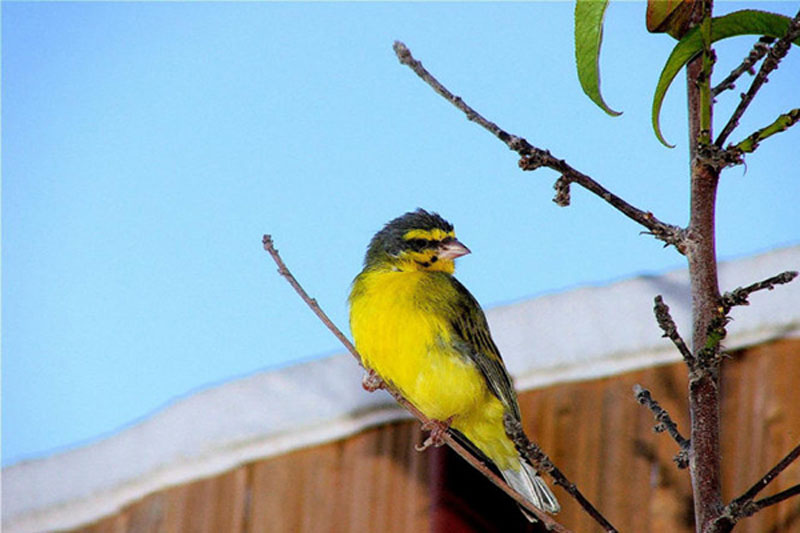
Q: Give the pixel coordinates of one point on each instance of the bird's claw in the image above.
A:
(372, 381)
(436, 438)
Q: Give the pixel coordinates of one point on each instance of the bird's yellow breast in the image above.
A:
(401, 333)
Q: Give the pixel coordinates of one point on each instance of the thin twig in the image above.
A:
(667, 325)
(284, 271)
(776, 53)
(751, 142)
(774, 499)
(744, 506)
(703, 81)
(768, 477)
(665, 423)
(542, 463)
(740, 295)
(533, 158)
(759, 50)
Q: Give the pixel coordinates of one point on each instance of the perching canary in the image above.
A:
(418, 328)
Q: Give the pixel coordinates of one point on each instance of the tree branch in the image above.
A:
(670, 330)
(733, 154)
(776, 53)
(759, 50)
(665, 423)
(703, 81)
(767, 478)
(533, 158)
(542, 463)
(284, 271)
(740, 295)
(744, 506)
(774, 499)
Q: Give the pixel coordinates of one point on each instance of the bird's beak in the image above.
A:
(452, 250)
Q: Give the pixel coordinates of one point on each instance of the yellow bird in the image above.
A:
(418, 328)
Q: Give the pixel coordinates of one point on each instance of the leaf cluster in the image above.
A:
(589, 16)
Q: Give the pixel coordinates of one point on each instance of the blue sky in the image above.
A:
(146, 147)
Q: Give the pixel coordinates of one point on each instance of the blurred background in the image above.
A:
(146, 147)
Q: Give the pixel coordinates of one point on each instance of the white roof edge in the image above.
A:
(588, 332)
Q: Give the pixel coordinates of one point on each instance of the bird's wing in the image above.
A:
(474, 341)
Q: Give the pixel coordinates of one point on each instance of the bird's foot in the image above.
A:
(438, 430)
(372, 381)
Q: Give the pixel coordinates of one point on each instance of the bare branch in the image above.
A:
(767, 479)
(670, 330)
(776, 53)
(542, 463)
(744, 506)
(774, 499)
(269, 246)
(759, 50)
(665, 423)
(740, 295)
(404, 55)
(284, 271)
(533, 158)
(734, 513)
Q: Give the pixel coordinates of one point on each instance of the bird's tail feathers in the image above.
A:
(544, 493)
(528, 483)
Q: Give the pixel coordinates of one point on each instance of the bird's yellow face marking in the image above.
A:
(435, 234)
(426, 258)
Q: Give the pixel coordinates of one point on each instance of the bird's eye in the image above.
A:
(417, 244)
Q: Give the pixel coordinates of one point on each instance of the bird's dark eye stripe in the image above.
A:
(419, 244)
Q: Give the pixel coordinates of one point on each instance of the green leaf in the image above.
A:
(745, 22)
(588, 38)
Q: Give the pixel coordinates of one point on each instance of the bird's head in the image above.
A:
(416, 241)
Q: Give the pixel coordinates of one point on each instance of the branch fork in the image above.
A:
(773, 57)
(746, 504)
